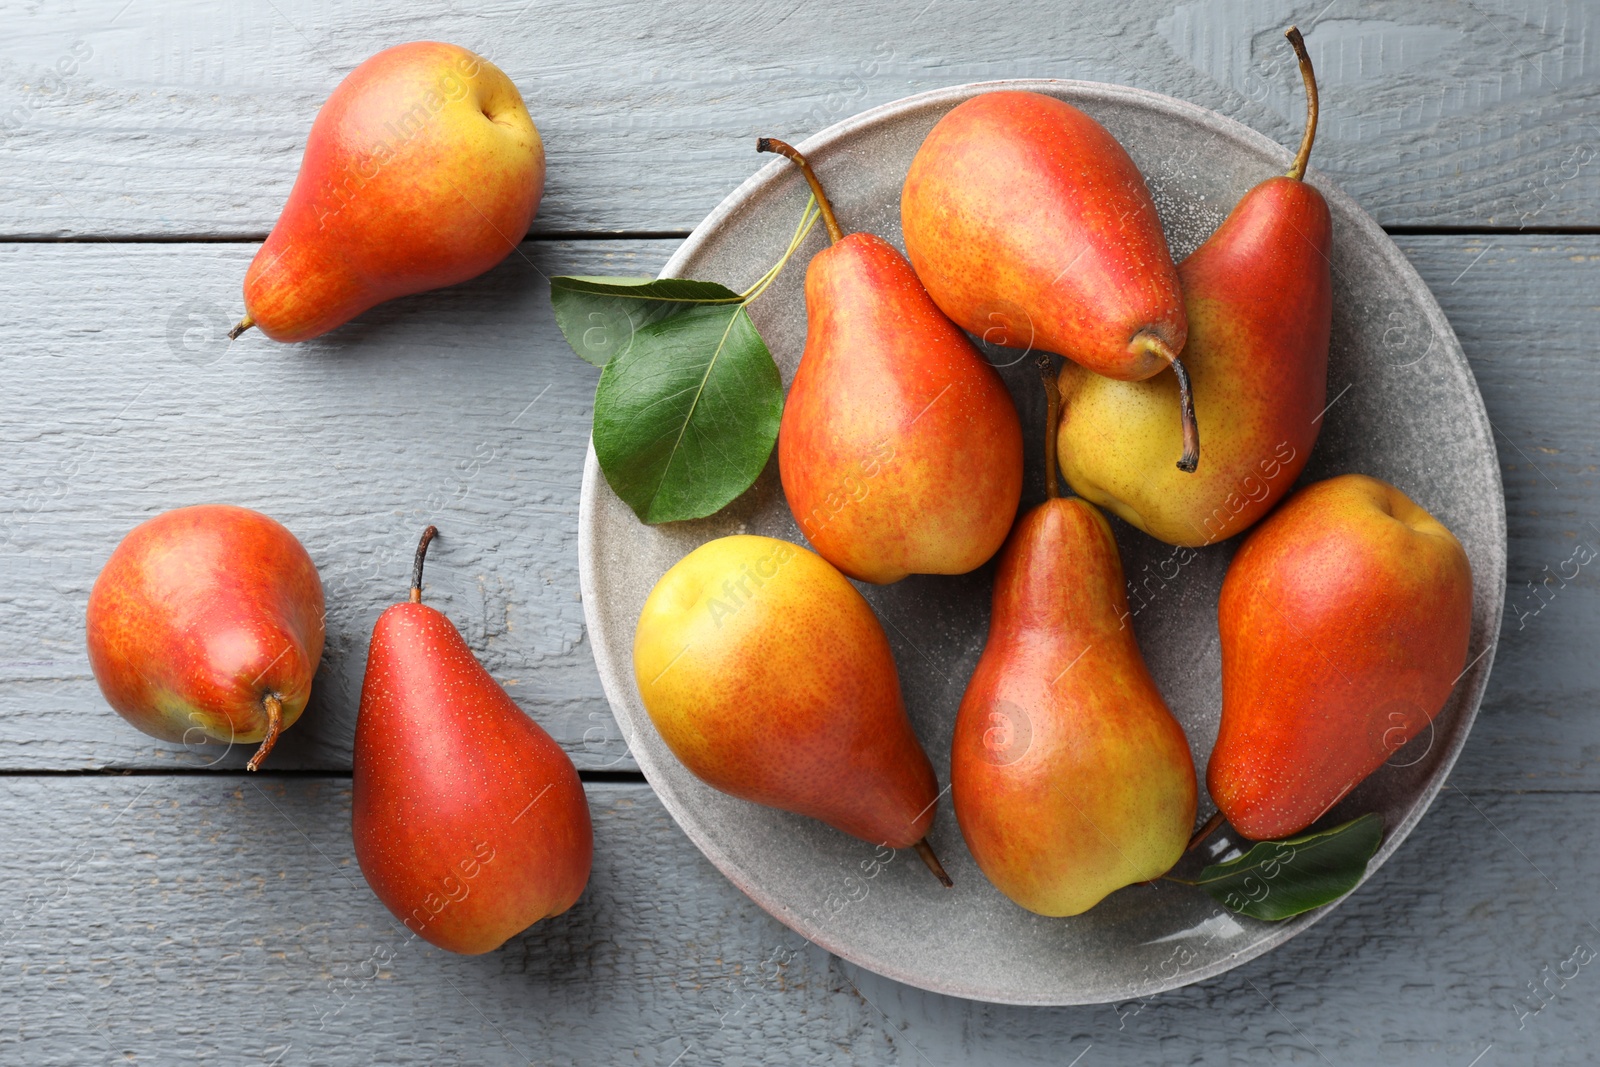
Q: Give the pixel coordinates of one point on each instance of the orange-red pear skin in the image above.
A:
(470, 823)
(201, 613)
(1345, 618)
(900, 449)
(1032, 227)
(1259, 296)
(770, 678)
(1070, 776)
(421, 170)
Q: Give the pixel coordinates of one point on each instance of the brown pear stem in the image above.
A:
(1309, 76)
(416, 570)
(925, 850)
(1191, 429)
(274, 727)
(1052, 424)
(1204, 832)
(244, 324)
(772, 144)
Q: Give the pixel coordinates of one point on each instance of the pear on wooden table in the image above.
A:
(470, 823)
(206, 625)
(422, 169)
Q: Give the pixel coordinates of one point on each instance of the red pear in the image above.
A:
(206, 625)
(900, 450)
(1031, 226)
(1070, 777)
(470, 823)
(1259, 295)
(422, 170)
(1344, 618)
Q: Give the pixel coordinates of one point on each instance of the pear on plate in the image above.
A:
(1070, 777)
(769, 677)
(900, 450)
(1259, 296)
(1345, 619)
(1032, 227)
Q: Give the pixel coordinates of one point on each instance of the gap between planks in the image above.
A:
(587, 777)
(678, 235)
(257, 238)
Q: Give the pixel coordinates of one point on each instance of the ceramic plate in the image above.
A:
(1403, 407)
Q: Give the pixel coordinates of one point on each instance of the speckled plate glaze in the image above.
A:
(1404, 407)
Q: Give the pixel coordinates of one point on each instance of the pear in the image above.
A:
(422, 170)
(1259, 295)
(1070, 777)
(206, 624)
(770, 678)
(1344, 618)
(470, 823)
(1032, 227)
(900, 450)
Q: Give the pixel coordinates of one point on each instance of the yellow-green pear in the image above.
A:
(1259, 299)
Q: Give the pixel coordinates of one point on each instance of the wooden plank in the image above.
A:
(188, 118)
(464, 408)
(413, 414)
(1524, 310)
(223, 919)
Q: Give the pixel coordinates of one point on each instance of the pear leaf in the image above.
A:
(600, 316)
(687, 412)
(1279, 879)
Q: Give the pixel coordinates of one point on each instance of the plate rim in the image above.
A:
(613, 680)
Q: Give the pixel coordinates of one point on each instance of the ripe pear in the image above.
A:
(1259, 295)
(1070, 777)
(422, 170)
(770, 678)
(206, 624)
(470, 823)
(1344, 618)
(1031, 226)
(900, 449)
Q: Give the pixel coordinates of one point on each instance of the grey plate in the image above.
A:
(1404, 408)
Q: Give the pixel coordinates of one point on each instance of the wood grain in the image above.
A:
(188, 118)
(122, 407)
(1524, 311)
(223, 919)
(190, 913)
(464, 408)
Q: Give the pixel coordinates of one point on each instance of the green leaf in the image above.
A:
(1279, 879)
(600, 316)
(687, 414)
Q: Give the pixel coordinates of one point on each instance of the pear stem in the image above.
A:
(416, 571)
(1052, 424)
(1191, 429)
(1298, 170)
(274, 708)
(1204, 832)
(925, 850)
(244, 324)
(772, 144)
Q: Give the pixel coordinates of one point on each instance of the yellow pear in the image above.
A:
(770, 678)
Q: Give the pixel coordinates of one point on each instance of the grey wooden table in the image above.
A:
(158, 905)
